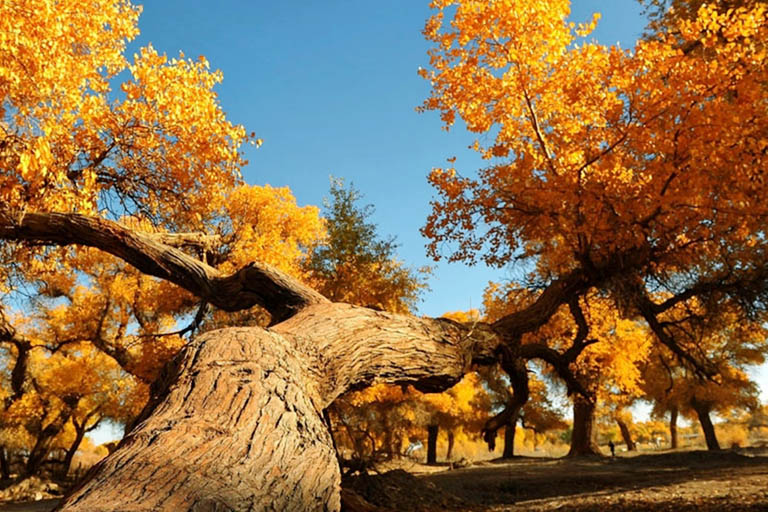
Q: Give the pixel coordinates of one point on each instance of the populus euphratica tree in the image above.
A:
(643, 178)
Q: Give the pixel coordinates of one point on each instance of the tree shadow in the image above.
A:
(506, 482)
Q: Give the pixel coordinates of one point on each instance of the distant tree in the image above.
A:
(355, 264)
(665, 14)
(731, 342)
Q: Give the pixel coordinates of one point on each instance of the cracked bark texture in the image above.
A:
(236, 423)
(236, 429)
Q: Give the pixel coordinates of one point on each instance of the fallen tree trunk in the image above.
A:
(235, 423)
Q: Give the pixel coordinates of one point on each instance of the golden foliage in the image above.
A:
(595, 150)
(161, 144)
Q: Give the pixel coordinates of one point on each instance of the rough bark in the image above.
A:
(432, 432)
(626, 435)
(583, 438)
(235, 427)
(702, 412)
(673, 428)
(237, 422)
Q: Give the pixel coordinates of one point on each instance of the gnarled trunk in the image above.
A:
(583, 436)
(237, 426)
(236, 423)
(626, 435)
(702, 412)
(673, 428)
(226, 432)
(432, 432)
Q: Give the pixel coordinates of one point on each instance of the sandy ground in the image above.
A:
(676, 481)
(697, 481)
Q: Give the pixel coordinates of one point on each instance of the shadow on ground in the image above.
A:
(673, 481)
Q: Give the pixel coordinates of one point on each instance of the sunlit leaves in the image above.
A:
(595, 150)
(68, 142)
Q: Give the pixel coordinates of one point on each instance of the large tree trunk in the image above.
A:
(673, 428)
(236, 423)
(432, 431)
(509, 435)
(583, 436)
(702, 411)
(238, 426)
(626, 435)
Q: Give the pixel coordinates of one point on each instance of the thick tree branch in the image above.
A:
(646, 308)
(537, 314)
(256, 284)
(353, 347)
(749, 284)
(558, 362)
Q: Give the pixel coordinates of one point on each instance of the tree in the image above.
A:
(596, 193)
(598, 364)
(623, 419)
(673, 388)
(619, 177)
(538, 414)
(355, 265)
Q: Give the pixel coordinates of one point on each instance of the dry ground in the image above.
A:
(697, 481)
(673, 481)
